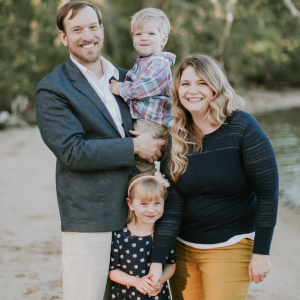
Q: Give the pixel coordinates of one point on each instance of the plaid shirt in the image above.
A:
(146, 88)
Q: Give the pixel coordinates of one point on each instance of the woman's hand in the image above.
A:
(144, 285)
(156, 272)
(259, 267)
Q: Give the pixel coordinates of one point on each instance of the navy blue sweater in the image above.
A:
(229, 188)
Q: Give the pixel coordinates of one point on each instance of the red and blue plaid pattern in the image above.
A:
(146, 88)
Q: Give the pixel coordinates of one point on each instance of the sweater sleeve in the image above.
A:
(167, 227)
(261, 170)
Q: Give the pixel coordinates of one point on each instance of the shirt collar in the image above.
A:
(108, 68)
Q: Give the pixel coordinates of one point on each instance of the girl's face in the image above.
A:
(194, 93)
(147, 212)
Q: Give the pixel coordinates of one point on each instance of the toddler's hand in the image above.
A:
(114, 87)
(145, 285)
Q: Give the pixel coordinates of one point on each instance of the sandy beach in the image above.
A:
(30, 237)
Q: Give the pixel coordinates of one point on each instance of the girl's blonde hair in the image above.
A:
(148, 14)
(186, 136)
(145, 189)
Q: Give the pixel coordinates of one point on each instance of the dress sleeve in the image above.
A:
(261, 169)
(114, 253)
(168, 226)
(171, 258)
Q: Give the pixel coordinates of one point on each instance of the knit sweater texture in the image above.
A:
(229, 188)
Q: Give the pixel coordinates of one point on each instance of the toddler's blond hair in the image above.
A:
(148, 14)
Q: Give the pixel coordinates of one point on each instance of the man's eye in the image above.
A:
(76, 30)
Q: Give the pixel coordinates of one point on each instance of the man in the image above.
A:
(87, 128)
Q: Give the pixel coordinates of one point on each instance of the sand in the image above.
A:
(30, 237)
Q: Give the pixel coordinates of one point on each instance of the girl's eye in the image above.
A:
(185, 83)
(137, 34)
(203, 83)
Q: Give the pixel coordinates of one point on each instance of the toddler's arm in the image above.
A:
(143, 285)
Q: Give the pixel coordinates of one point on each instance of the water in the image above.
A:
(283, 129)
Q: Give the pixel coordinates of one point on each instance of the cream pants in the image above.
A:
(85, 262)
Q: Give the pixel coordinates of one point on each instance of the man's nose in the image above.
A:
(87, 34)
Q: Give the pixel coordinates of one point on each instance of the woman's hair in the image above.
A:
(149, 14)
(145, 189)
(186, 136)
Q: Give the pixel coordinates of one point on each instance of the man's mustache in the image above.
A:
(82, 43)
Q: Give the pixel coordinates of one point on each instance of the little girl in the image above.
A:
(132, 246)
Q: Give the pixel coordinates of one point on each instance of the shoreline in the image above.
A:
(262, 101)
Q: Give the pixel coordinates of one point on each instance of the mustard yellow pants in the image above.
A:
(212, 274)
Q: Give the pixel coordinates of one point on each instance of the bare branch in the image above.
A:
(229, 20)
(294, 11)
(217, 8)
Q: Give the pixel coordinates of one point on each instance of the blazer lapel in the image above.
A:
(83, 86)
(126, 117)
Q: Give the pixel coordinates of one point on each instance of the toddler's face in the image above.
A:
(147, 212)
(148, 39)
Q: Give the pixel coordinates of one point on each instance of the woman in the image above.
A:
(224, 189)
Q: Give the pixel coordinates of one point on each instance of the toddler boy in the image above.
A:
(147, 84)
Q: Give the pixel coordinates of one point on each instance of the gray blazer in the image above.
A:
(94, 163)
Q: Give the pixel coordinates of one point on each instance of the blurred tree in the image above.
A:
(257, 41)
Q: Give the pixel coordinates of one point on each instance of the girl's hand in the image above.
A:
(156, 271)
(259, 267)
(158, 288)
(145, 285)
(114, 87)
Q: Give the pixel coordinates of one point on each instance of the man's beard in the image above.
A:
(87, 58)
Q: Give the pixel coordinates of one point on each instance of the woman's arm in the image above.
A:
(261, 169)
(168, 226)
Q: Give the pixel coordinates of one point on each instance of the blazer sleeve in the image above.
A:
(64, 135)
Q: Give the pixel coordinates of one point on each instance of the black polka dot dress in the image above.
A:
(132, 255)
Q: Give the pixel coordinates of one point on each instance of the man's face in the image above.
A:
(83, 35)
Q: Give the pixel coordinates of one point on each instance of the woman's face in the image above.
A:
(194, 93)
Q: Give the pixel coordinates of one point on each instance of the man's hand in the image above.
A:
(146, 146)
(259, 267)
(114, 87)
(144, 285)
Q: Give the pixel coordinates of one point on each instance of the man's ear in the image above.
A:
(63, 38)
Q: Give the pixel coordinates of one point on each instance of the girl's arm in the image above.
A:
(168, 272)
(143, 285)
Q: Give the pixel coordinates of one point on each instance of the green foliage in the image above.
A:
(260, 47)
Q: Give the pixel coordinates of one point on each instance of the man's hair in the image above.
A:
(149, 14)
(75, 6)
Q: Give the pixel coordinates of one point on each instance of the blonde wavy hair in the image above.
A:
(186, 136)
